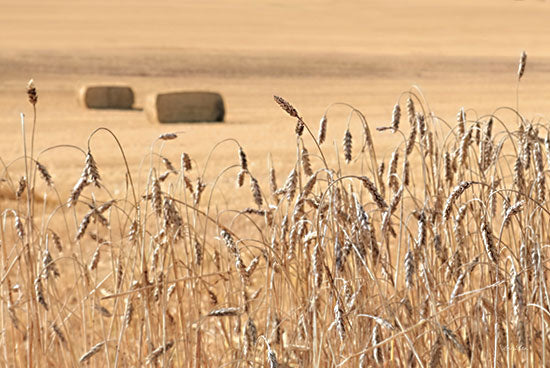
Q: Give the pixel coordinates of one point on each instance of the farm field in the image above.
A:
(438, 259)
(313, 54)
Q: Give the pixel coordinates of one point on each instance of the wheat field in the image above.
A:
(433, 257)
(376, 197)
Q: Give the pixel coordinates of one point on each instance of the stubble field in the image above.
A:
(437, 259)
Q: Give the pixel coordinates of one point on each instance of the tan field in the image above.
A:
(314, 53)
(370, 54)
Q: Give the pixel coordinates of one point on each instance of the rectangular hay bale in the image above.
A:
(180, 107)
(106, 97)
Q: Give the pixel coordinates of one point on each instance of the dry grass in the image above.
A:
(440, 260)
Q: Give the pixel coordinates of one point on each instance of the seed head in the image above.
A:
(256, 193)
(457, 191)
(168, 164)
(224, 312)
(299, 127)
(322, 129)
(488, 241)
(461, 119)
(290, 185)
(168, 136)
(155, 354)
(21, 187)
(272, 180)
(240, 178)
(306, 163)
(185, 161)
(410, 111)
(90, 168)
(94, 350)
(375, 194)
(31, 92)
(243, 160)
(39, 291)
(19, 227)
(511, 211)
(285, 105)
(44, 174)
(347, 146)
(396, 117)
(522, 62)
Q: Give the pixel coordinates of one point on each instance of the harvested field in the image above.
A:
(376, 194)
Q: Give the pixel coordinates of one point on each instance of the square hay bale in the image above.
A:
(180, 107)
(106, 97)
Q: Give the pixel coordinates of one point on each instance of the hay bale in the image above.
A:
(106, 97)
(179, 107)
